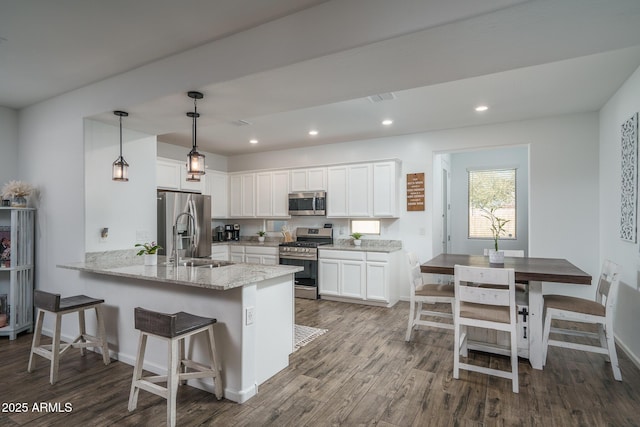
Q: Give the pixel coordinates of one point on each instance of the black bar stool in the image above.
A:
(47, 302)
(173, 328)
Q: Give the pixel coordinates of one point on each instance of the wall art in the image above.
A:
(629, 182)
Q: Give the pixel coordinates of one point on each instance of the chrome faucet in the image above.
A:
(175, 256)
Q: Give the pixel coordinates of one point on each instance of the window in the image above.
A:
(365, 226)
(492, 191)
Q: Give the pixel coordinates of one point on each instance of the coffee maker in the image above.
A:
(232, 232)
(219, 235)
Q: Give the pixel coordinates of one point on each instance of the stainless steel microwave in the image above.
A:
(308, 203)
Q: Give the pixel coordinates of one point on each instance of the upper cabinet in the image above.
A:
(364, 190)
(172, 175)
(217, 186)
(242, 189)
(272, 194)
(312, 179)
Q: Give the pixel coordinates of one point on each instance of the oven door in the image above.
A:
(306, 281)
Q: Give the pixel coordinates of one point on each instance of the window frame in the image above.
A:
(514, 221)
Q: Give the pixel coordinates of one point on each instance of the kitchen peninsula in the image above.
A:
(254, 306)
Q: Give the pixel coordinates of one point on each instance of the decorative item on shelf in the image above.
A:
(195, 160)
(356, 238)
(496, 257)
(17, 191)
(261, 235)
(150, 252)
(120, 166)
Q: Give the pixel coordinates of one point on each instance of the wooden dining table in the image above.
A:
(532, 271)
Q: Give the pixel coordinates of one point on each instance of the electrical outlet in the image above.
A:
(249, 315)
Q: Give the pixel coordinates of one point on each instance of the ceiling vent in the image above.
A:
(241, 123)
(387, 96)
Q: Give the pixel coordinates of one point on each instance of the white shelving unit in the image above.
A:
(16, 275)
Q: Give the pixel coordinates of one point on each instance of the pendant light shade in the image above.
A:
(120, 166)
(195, 160)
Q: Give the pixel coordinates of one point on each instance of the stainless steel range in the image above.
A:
(304, 253)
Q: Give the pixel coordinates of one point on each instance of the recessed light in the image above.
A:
(481, 108)
(313, 132)
(387, 122)
(253, 141)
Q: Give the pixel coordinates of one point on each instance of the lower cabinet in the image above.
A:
(220, 252)
(357, 276)
(266, 255)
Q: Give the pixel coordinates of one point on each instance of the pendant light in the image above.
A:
(120, 166)
(195, 160)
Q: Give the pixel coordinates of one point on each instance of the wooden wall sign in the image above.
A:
(415, 191)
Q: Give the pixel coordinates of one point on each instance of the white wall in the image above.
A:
(129, 208)
(8, 145)
(461, 163)
(563, 161)
(620, 107)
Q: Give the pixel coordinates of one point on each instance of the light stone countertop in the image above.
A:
(386, 246)
(219, 278)
(368, 245)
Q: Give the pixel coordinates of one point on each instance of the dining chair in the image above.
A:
(599, 311)
(491, 307)
(521, 289)
(423, 293)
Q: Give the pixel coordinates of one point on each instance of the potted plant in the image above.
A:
(497, 228)
(150, 252)
(17, 192)
(261, 235)
(356, 238)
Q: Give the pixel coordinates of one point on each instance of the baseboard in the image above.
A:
(634, 358)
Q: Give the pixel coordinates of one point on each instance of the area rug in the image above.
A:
(305, 334)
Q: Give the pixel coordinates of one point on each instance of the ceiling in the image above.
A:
(435, 60)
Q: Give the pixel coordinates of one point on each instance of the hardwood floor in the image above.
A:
(361, 372)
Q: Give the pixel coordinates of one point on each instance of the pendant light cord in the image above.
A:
(120, 136)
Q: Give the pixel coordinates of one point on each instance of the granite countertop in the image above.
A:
(219, 278)
(253, 242)
(366, 246)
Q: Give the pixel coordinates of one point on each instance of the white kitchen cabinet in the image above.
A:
(167, 174)
(378, 276)
(359, 276)
(266, 255)
(337, 195)
(329, 277)
(172, 175)
(220, 252)
(386, 195)
(359, 190)
(365, 190)
(272, 194)
(349, 191)
(312, 179)
(242, 195)
(217, 186)
(236, 253)
(342, 273)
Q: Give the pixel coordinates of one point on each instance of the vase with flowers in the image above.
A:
(17, 192)
(150, 252)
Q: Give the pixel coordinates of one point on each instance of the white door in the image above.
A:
(329, 275)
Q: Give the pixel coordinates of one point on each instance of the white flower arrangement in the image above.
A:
(16, 189)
